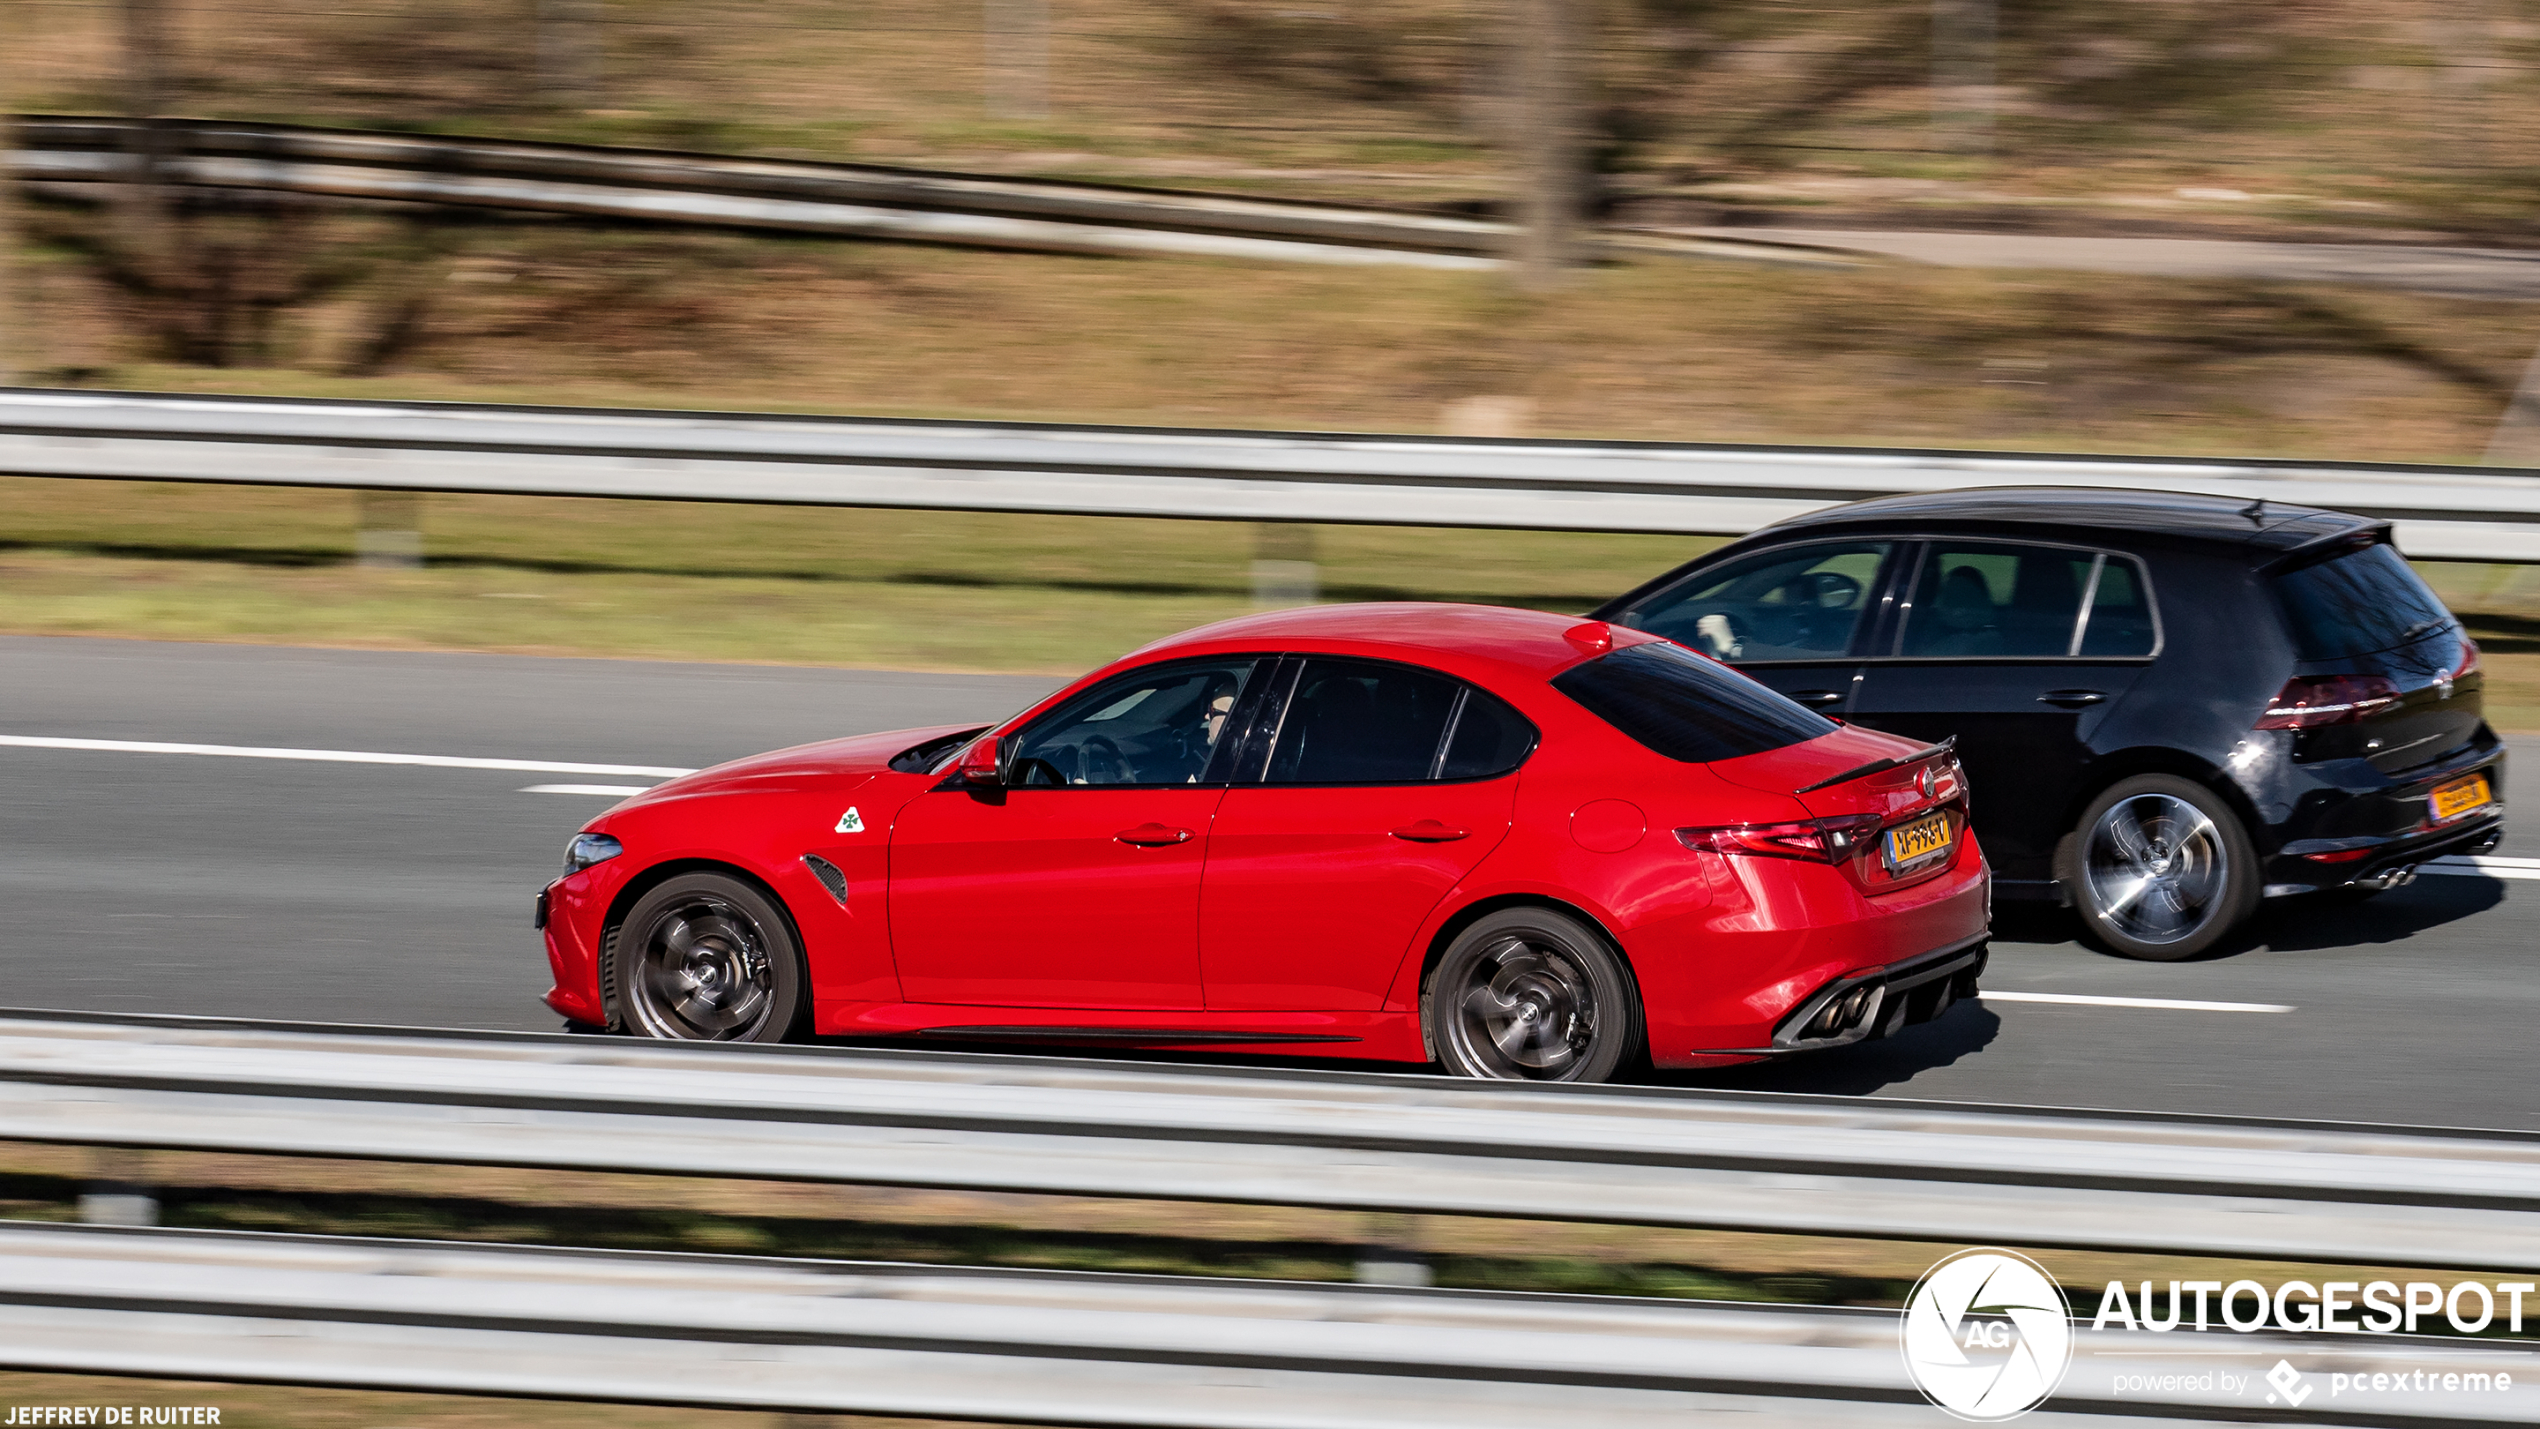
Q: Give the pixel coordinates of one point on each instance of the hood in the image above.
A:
(802, 766)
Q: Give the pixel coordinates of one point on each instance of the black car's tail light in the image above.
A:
(2469, 659)
(1832, 840)
(2312, 701)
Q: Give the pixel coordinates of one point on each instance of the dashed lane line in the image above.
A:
(2173, 1004)
(612, 791)
(336, 756)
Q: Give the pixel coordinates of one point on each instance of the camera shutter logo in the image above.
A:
(1986, 1335)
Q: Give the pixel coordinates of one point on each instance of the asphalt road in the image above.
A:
(283, 888)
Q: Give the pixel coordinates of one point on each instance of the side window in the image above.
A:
(2120, 623)
(1362, 722)
(1792, 603)
(1155, 726)
(1488, 739)
(1974, 600)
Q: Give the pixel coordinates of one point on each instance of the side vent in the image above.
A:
(829, 876)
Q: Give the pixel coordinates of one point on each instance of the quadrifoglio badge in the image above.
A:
(1988, 1336)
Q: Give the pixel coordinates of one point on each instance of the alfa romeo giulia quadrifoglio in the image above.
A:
(1514, 844)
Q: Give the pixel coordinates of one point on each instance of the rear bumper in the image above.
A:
(1876, 1002)
(2367, 835)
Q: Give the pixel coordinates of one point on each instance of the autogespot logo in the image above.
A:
(1986, 1335)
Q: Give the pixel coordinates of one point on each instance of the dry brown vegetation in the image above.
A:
(2355, 111)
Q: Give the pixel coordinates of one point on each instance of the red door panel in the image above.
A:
(1051, 897)
(1313, 894)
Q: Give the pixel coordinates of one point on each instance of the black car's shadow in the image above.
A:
(2298, 924)
(1859, 1069)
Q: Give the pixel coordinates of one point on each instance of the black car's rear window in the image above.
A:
(1686, 707)
(2361, 603)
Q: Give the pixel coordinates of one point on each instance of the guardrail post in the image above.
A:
(1391, 1253)
(1962, 74)
(1283, 571)
(1018, 58)
(390, 534)
(119, 1196)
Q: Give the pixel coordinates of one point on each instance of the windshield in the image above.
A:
(2361, 603)
(1686, 707)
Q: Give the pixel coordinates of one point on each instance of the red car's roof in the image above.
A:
(1534, 641)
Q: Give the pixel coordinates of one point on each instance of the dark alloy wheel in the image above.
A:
(1530, 994)
(708, 958)
(2160, 868)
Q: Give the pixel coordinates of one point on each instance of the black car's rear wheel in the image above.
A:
(2160, 868)
(708, 958)
(1530, 994)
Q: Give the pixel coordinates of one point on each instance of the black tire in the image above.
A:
(1530, 994)
(2160, 869)
(706, 957)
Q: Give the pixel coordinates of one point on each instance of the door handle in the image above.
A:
(2072, 699)
(1429, 831)
(1818, 697)
(1153, 836)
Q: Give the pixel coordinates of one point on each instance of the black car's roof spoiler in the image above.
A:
(2328, 545)
(1881, 766)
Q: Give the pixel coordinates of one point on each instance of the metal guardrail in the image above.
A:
(2477, 514)
(863, 200)
(1759, 1162)
(1054, 1347)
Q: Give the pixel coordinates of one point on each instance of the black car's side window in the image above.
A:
(2119, 624)
(1375, 722)
(1789, 603)
(1975, 600)
(1163, 725)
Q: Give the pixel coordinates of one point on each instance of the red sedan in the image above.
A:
(1508, 842)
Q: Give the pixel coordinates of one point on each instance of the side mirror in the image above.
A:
(982, 765)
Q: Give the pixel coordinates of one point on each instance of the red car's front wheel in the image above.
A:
(1531, 994)
(707, 958)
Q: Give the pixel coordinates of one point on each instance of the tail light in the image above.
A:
(2469, 658)
(1833, 840)
(2310, 701)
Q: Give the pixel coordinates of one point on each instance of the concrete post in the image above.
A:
(1283, 571)
(389, 533)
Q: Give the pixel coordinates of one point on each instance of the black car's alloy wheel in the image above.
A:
(1529, 994)
(708, 958)
(2160, 868)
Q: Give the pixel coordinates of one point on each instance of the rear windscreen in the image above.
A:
(2361, 603)
(1686, 707)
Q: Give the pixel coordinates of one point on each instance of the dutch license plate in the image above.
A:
(2462, 796)
(1912, 843)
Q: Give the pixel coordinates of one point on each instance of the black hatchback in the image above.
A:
(2169, 706)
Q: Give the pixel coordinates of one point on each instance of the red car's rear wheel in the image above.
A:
(1530, 994)
(707, 958)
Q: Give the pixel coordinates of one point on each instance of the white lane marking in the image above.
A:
(2174, 1004)
(335, 756)
(2482, 866)
(614, 791)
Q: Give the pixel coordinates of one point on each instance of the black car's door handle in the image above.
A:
(2072, 699)
(1818, 697)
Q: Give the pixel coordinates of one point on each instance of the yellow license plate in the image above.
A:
(1919, 840)
(2462, 796)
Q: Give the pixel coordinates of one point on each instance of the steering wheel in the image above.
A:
(1101, 762)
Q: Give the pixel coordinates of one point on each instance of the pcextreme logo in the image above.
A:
(1986, 1335)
